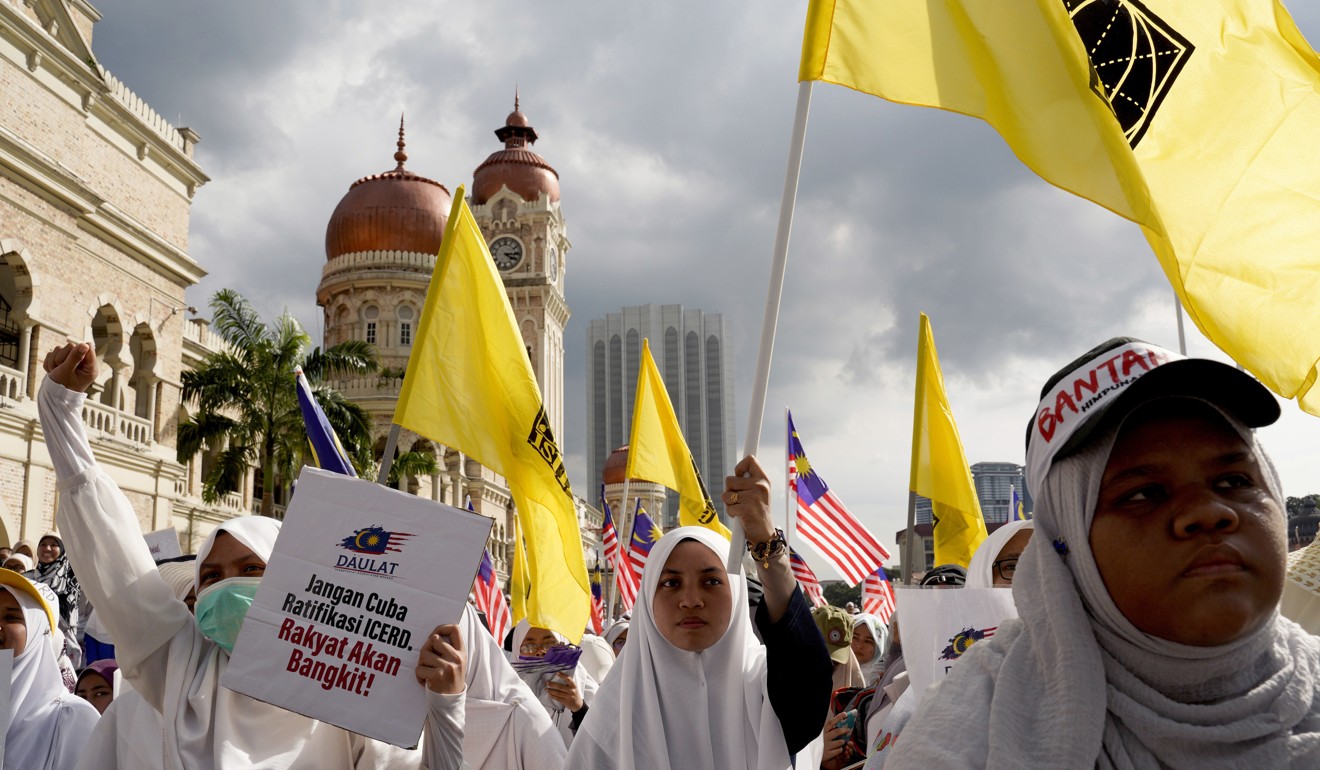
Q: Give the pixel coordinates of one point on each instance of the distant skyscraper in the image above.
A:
(992, 488)
(691, 350)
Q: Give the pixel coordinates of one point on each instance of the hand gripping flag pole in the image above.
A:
(774, 294)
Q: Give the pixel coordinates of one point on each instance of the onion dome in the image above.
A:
(392, 211)
(615, 466)
(516, 166)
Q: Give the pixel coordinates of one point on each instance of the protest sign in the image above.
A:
(360, 576)
(164, 544)
(938, 626)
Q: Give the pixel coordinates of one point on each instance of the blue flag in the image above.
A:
(327, 452)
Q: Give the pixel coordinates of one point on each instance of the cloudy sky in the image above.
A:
(669, 126)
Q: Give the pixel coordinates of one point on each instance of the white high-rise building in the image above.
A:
(691, 350)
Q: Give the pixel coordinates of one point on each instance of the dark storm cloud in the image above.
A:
(669, 126)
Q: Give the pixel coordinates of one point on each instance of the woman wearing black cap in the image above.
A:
(1149, 633)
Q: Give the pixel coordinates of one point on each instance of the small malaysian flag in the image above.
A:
(490, 599)
(1016, 507)
(645, 534)
(825, 524)
(609, 534)
(597, 604)
(807, 579)
(878, 596)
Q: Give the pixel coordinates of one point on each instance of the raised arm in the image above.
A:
(101, 530)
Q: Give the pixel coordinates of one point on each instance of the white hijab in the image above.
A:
(873, 669)
(48, 725)
(663, 708)
(258, 533)
(981, 570)
(504, 726)
(1072, 683)
(586, 684)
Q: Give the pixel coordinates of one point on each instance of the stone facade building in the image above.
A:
(381, 246)
(96, 192)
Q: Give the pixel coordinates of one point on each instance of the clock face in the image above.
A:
(553, 256)
(506, 252)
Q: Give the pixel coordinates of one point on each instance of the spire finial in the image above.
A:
(400, 155)
(515, 97)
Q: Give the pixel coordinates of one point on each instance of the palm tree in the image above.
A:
(246, 398)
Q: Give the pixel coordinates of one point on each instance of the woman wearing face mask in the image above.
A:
(1149, 633)
(693, 688)
(174, 663)
(48, 726)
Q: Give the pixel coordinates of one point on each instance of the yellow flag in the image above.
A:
(939, 466)
(518, 583)
(658, 453)
(1197, 120)
(470, 386)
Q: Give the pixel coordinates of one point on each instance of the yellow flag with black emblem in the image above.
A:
(657, 451)
(470, 386)
(1196, 120)
(939, 465)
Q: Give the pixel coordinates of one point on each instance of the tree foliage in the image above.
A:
(247, 405)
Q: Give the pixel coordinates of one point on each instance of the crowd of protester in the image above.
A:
(1147, 588)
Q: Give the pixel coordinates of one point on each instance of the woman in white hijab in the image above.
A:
(995, 561)
(693, 688)
(566, 697)
(869, 643)
(1149, 634)
(174, 663)
(505, 727)
(48, 726)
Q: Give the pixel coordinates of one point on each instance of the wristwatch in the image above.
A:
(764, 552)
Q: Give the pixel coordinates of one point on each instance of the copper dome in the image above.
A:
(393, 211)
(516, 166)
(615, 466)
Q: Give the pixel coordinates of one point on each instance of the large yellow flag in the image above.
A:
(658, 453)
(518, 582)
(1197, 120)
(939, 466)
(470, 386)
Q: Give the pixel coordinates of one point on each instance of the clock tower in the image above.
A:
(515, 200)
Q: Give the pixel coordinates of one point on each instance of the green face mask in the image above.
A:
(221, 607)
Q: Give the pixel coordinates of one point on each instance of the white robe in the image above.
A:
(159, 649)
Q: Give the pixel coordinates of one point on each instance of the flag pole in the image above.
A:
(916, 443)
(619, 533)
(774, 294)
(789, 502)
(387, 459)
(1178, 310)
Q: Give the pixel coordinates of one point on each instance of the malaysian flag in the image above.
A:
(644, 535)
(610, 535)
(807, 579)
(1016, 510)
(490, 599)
(878, 596)
(825, 524)
(597, 604)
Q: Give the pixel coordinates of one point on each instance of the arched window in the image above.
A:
(371, 315)
(406, 315)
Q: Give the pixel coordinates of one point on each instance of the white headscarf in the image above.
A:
(1073, 683)
(504, 726)
(663, 708)
(981, 570)
(586, 684)
(48, 726)
(616, 628)
(258, 533)
(597, 656)
(873, 669)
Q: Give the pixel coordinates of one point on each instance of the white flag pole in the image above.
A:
(773, 295)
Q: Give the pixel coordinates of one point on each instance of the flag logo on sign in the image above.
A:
(375, 541)
(963, 641)
(1132, 51)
